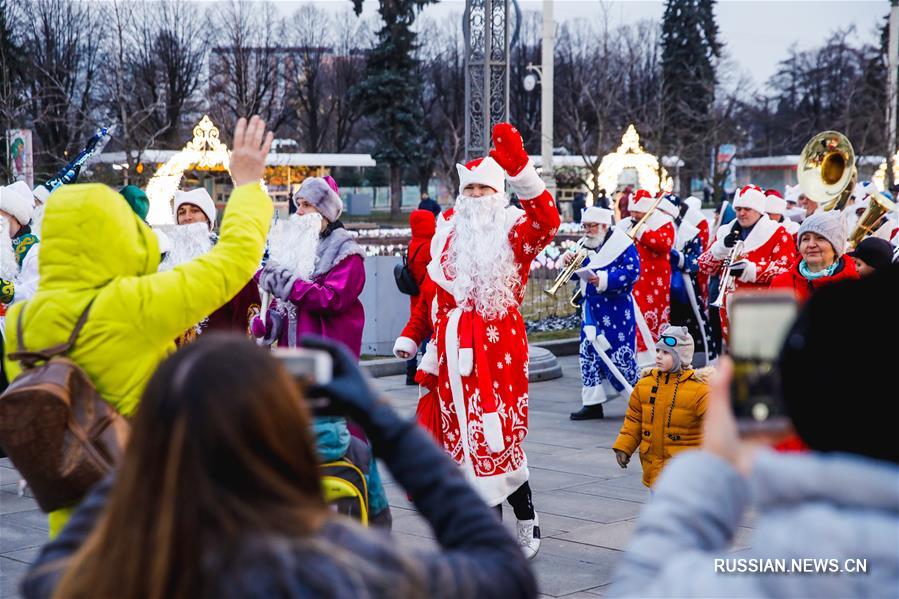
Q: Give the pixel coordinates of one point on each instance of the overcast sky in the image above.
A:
(757, 33)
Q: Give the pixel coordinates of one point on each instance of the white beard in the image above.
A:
(480, 261)
(293, 244)
(592, 242)
(9, 269)
(187, 242)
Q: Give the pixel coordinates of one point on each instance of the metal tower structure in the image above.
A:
(486, 29)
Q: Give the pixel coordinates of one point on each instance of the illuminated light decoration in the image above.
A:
(630, 155)
(880, 175)
(204, 152)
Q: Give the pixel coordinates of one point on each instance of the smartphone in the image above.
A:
(759, 323)
(308, 367)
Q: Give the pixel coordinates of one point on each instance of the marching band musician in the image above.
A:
(607, 312)
(776, 209)
(767, 248)
(654, 241)
(688, 308)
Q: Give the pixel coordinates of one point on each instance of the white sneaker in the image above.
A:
(529, 536)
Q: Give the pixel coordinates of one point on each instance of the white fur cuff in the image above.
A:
(603, 283)
(719, 250)
(429, 362)
(466, 361)
(493, 432)
(750, 273)
(406, 345)
(527, 184)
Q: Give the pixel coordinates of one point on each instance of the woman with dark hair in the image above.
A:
(219, 496)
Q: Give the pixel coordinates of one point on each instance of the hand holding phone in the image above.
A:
(759, 322)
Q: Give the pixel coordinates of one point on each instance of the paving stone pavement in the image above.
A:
(587, 505)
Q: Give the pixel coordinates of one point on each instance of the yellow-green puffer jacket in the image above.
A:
(94, 246)
(664, 417)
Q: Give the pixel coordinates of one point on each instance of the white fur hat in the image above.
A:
(201, 199)
(17, 200)
(669, 208)
(595, 214)
(775, 204)
(41, 193)
(485, 171)
(694, 203)
(641, 201)
(792, 193)
(751, 197)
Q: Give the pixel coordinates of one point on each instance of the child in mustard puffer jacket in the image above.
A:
(664, 415)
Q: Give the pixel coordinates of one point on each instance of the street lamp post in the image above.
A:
(543, 75)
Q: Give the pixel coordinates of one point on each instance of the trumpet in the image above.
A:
(639, 225)
(826, 170)
(580, 255)
(727, 279)
(878, 206)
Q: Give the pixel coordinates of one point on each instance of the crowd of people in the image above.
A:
(220, 491)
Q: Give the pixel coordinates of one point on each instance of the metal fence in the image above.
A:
(537, 304)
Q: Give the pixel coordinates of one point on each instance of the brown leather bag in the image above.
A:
(55, 427)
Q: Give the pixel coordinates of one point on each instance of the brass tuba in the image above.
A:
(878, 205)
(826, 170)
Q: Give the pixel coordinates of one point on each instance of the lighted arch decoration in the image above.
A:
(204, 152)
(879, 177)
(631, 155)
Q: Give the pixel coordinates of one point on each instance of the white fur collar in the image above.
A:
(685, 233)
(759, 236)
(609, 251)
(694, 217)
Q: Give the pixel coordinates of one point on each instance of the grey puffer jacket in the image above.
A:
(835, 507)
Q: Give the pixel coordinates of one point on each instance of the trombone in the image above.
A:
(639, 225)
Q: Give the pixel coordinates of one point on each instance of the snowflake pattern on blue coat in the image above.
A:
(611, 312)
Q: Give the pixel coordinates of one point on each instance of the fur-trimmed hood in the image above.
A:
(703, 375)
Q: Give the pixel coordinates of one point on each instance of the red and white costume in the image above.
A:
(482, 361)
(652, 291)
(768, 249)
(776, 205)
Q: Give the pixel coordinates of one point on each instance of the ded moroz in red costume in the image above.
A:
(482, 348)
(652, 291)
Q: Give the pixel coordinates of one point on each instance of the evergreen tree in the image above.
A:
(690, 48)
(390, 90)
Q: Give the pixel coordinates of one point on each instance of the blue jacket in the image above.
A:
(822, 506)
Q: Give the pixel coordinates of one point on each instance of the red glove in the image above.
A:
(508, 149)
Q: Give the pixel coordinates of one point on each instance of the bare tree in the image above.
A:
(308, 65)
(168, 65)
(249, 70)
(352, 35)
(61, 43)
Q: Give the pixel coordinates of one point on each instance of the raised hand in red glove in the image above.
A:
(508, 149)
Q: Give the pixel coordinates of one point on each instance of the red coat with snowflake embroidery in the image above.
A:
(652, 291)
(498, 379)
(768, 249)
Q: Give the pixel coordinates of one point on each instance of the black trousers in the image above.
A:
(521, 502)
